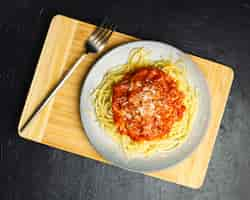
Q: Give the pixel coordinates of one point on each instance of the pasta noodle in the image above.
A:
(102, 101)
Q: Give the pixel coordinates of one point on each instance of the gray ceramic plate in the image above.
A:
(104, 144)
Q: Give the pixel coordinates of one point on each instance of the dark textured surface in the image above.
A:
(220, 32)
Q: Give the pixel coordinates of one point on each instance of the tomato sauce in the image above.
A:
(146, 104)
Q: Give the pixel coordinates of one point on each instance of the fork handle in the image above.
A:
(52, 93)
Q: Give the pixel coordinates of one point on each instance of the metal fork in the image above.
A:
(94, 44)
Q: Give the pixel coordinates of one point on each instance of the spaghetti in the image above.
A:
(102, 101)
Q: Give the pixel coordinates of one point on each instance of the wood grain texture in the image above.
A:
(59, 124)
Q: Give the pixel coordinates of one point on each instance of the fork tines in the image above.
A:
(102, 33)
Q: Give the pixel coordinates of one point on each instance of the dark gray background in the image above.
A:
(219, 31)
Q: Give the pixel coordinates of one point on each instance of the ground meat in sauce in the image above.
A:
(146, 104)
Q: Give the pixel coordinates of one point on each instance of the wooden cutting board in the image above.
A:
(59, 124)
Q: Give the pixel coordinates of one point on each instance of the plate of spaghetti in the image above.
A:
(145, 106)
